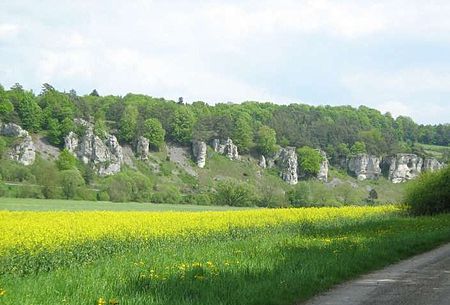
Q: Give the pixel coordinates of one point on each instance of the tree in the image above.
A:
(233, 193)
(242, 134)
(28, 110)
(266, 140)
(128, 124)
(66, 160)
(71, 180)
(358, 148)
(154, 132)
(309, 160)
(182, 125)
(94, 93)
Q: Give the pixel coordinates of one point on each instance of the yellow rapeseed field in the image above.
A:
(46, 231)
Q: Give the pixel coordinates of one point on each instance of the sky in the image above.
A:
(390, 55)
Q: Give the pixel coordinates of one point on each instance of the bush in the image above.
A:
(103, 196)
(129, 186)
(71, 180)
(166, 194)
(198, 199)
(299, 195)
(235, 193)
(430, 193)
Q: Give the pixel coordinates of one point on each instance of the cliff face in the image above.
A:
(142, 148)
(322, 175)
(287, 161)
(227, 148)
(23, 150)
(364, 166)
(199, 152)
(105, 155)
(404, 167)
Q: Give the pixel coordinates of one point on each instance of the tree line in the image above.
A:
(253, 126)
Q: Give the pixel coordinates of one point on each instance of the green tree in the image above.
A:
(309, 160)
(430, 193)
(27, 109)
(71, 180)
(154, 132)
(66, 160)
(242, 134)
(233, 193)
(128, 124)
(182, 125)
(358, 148)
(266, 141)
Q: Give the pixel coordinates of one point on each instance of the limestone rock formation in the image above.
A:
(142, 148)
(23, 150)
(287, 162)
(322, 175)
(262, 162)
(199, 152)
(227, 148)
(431, 165)
(365, 166)
(403, 167)
(105, 155)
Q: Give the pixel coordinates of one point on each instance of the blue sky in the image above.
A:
(390, 55)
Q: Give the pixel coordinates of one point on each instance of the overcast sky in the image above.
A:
(390, 55)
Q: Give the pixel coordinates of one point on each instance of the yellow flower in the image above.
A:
(101, 301)
(2, 292)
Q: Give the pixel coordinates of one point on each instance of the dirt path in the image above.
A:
(420, 280)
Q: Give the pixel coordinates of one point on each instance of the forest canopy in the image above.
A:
(253, 126)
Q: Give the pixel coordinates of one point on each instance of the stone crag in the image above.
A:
(103, 154)
(23, 150)
(364, 166)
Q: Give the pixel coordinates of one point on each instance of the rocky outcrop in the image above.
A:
(431, 165)
(322, 175)
(287, 161)
(364, 166)
(142, 148)
(23, 150)
(262, 162)
(105, 155)
(227, 148)
(199, 152)
(403, 167)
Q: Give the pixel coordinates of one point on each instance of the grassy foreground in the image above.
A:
(234, 257)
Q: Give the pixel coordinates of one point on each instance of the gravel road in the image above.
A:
(421, 280)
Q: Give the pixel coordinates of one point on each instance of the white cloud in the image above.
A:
(8, 30)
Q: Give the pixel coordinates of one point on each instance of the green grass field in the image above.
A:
(27, 204)
(255, 256)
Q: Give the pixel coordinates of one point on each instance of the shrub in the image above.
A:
(103, 196)
(71, 180)
(430, 193)
(166, 194)
(66, 160)
(299, 195)
(235, 193)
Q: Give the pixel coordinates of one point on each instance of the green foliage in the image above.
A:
(66, 160)
(309, 160)
(154, 132)
(266, 141)
(233, 193)
(129, 186)
(128, 124)
(299, 196)
(166, 194)
(430, 193)
(358, 148)
(47, 176)
(242, 135)
(182, 125)
(71, 180)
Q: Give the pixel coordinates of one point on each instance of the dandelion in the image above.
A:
(101, 301)
(2, 292)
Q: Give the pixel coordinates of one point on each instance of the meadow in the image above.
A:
(257, 256)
